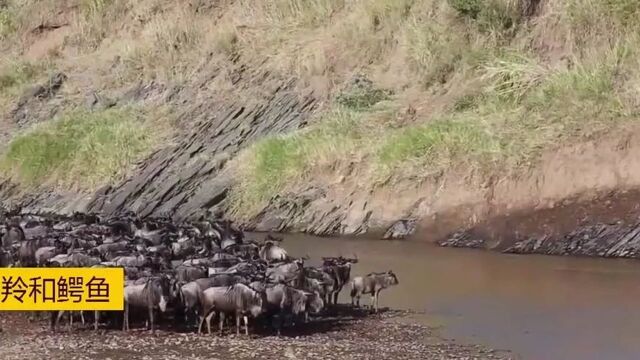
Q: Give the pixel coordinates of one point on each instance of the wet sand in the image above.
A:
(388, 335)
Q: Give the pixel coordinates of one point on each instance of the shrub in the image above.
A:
(361, 95)
(470, 8)
(15, 73)
(7, 27)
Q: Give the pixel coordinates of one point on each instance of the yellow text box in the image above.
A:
(44, 289)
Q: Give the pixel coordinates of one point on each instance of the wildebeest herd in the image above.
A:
(190, 272)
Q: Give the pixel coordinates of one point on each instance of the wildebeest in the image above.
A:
(226, 234)
(43, 254)
(187, 274)
(238, 299)
(153, 293)
(291, 272)
(283, 299)
(167, 267)
(189, 296)
(372, 284)
(271, 252)
(132, 261)
(340, 269)
(13, 235)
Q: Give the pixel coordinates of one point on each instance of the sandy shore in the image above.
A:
(388, 335)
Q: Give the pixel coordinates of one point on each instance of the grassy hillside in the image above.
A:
(481, 86)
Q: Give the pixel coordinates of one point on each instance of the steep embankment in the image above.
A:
(329, 117)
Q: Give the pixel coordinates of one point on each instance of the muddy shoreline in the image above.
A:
(388, 335)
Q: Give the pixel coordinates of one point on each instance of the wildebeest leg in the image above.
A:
(151, 317)
(82, 316)
(221, 323)
(335, 297)
(246, 325)
(213, 313)
(376, 297)
(96, 316)
(202, 318)
(237, 323)
(54, 320)
(125, 317)
(58, 316)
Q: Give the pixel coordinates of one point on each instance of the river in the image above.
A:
(540, 307)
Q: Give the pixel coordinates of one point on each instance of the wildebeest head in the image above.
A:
(391, 278)
(161, 287)
(257, 302)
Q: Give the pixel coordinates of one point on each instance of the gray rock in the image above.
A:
(400, 230)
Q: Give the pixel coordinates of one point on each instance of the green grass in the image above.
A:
(15, 73)
(7, 26)
(79, 149)
(272, 164)
(436, 145)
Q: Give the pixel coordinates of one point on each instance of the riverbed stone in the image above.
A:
(401, 229)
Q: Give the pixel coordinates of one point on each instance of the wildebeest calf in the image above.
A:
(372, 284)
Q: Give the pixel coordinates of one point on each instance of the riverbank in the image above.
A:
(605, 225)
(389, 335)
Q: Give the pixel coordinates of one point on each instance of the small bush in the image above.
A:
(625, 11)
(434, 49)
(361, 95)
(80, 148)
(490, 15)
(7, 27)
(16, 73)
(226, 40)
(498, 16)
(512, 75)
(470, 8)
(468, 102)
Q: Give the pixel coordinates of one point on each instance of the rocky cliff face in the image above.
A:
(189, 176)
(608, 226)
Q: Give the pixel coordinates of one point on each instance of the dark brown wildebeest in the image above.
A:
(154, 292)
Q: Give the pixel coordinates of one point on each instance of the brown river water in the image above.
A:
(540, 307)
